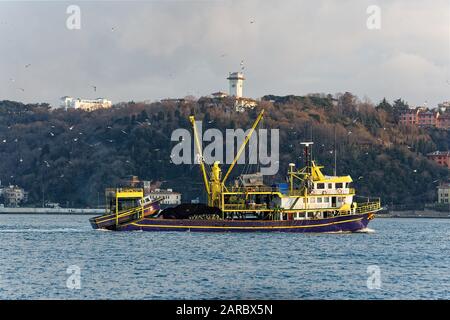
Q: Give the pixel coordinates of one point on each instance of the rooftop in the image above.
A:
(439, 153)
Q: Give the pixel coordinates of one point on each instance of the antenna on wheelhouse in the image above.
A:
(335, 155)
(307, 153)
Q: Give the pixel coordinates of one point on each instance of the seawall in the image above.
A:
(415, 214)
(73, 211)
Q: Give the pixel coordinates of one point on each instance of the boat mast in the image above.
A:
(308, 164)
(307, 154)
(200, 155)
(335, 156)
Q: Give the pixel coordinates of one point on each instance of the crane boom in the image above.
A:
(200, 153)
(247, 138)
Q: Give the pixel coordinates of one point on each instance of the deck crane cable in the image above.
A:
(250, 168)
(247, 138)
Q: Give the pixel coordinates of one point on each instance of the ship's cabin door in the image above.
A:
(333, 202)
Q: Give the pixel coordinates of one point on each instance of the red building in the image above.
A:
(440, 157)
(443, 121)
(409, 117)
(427, 118)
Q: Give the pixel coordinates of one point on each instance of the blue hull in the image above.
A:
(347, 223)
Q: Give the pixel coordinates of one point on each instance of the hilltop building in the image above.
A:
(408, 117)
(85, 104)
(443, 121)
(236, 81)
(425, 118)
(444, 193)
(442, 158)
(236, 90)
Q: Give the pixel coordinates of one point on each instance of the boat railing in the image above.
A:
(368, 207)
(254, 189)
(241, 206)
(340, 191)
(123, 189)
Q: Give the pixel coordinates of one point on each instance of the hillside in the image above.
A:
(71, 156)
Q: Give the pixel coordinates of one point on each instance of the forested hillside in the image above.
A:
(70, 156)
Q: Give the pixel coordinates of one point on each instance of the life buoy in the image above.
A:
(324, 192)
(339, 191)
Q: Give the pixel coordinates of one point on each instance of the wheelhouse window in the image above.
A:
(321, 186)
(338, 185)
(330, 186)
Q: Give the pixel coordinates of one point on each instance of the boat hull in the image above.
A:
(347, 223)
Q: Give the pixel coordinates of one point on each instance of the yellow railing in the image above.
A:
(124, 189)
(233, 206)
(368, 207)
(253, 189)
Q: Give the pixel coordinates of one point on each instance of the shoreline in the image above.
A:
(428, 214)
(54, 211)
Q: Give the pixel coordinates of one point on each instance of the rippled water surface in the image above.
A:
(413, 257)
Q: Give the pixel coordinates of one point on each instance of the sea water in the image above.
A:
(62, 257)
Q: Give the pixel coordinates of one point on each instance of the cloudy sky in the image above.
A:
(148, 50)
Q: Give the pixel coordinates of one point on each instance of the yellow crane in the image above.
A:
(215, 187)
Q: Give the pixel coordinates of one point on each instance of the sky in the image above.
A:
(149, 50)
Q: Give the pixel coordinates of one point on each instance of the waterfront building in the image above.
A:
(85, 104)
(444, 193)
(14, 195)
(440, 157)
(169, 196)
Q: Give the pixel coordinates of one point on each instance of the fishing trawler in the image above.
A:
(310, 202)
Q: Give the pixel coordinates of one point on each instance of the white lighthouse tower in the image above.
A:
(236, 80)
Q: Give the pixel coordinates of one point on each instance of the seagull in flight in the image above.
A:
(95, 88)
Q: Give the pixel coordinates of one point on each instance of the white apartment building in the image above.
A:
(14, 195)
(85, 104)
(169, 196)
(444, 193)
